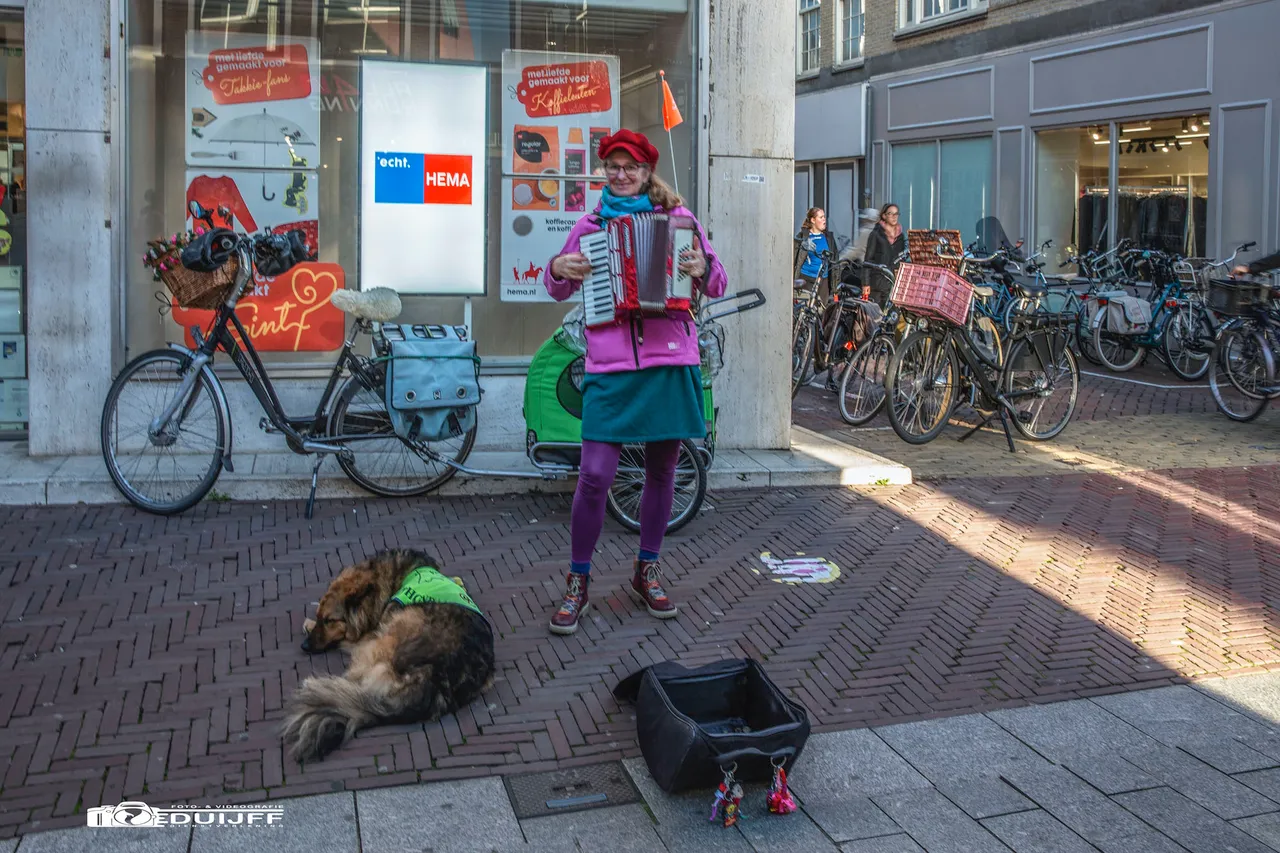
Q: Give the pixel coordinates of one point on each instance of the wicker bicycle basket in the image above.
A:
(204, 290)
(933, 292)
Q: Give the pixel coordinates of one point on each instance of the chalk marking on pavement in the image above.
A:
(1138, 381)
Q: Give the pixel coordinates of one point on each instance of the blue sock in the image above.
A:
(580, 568)
(648, 556)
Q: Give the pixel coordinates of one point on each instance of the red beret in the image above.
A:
(635, 144)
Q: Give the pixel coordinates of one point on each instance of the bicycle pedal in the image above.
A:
(266, 426)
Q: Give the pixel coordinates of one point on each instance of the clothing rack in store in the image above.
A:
(1171, 218)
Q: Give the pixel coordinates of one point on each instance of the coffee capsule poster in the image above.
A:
(252, 102)
(556, 107)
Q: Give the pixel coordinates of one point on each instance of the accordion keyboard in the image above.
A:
(597, 288)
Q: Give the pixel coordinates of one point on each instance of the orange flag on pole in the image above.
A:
(670, 112)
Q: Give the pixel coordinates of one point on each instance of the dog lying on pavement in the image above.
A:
(420, 648)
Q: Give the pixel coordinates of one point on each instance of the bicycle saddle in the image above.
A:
(1029, 288)
(379, 304)
(983, 291)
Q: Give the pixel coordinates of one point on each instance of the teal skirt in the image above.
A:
(654, 404)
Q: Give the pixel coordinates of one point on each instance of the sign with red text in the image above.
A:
(556, 108)
(252, 102)
(423, 182)
(288, 313)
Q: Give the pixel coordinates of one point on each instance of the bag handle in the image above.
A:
(751, 751)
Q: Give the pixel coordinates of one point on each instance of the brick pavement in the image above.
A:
(148, 658)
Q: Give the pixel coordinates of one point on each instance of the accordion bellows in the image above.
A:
(635, 267)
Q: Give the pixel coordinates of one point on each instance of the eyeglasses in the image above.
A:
(895, 213)
(632, 169)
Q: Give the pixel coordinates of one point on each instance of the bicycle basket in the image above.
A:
(711, 349)
(206, 287)
(433, 382)
(934, 292)
(1236, 298)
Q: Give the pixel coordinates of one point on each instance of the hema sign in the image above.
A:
(422, 188)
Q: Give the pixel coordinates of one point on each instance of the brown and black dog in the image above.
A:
(420, 649)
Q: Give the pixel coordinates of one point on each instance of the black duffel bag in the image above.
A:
(695, 724)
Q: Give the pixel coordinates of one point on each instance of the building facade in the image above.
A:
(281, 110)
(1084, 123)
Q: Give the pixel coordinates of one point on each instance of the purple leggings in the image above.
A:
(599, 467)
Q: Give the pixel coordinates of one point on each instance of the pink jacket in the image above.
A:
(653, 341)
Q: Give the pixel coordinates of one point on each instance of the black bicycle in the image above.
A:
(166, 425)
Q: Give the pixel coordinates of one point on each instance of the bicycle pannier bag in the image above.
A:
(694, 724)
(433, 381)
(1128, 315)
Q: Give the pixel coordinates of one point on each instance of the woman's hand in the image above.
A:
(1240, 270)
(571, 267)
(693, 262)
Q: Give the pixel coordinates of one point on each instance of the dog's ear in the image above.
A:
(356, 596)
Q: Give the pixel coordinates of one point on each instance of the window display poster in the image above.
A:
(10, 311)
(288, 313)
(556, 108)
(281, 201)
(13, 400)
(423, 183)
(252, 103)
(13, 356)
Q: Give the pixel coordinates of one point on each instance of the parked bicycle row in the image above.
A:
(994, 331)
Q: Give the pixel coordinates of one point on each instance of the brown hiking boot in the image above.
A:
(575, 605)
(646, 589)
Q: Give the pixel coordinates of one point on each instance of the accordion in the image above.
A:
(635, 268)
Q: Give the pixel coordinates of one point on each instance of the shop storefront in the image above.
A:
(831, 151)
(289, 111)
(1162, 134)
(13, 225)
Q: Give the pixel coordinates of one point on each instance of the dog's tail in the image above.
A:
(327, 712)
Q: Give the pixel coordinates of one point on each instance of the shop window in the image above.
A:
(965, 191)
(914, 186)
(803, 194)
(1073, 181)
(1162, 185)
(852, 24)
(13, 229)
(808, 36)
(279, 143)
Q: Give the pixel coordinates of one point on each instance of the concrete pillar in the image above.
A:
(72, 309)
(751, 142)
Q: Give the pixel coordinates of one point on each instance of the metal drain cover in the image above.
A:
(575, 789)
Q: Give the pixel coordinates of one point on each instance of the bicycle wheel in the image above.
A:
(1187, 339)
(1117, 353)
(986, 334)
(1238, 374)
(169, 471)
(623, 499)
(382, 462)
(1084, 334)
(862, 387)
(1017, 306)
(920, 387)
(1054, 379)
(801, 356)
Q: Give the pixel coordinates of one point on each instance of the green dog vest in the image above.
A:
(426, 584)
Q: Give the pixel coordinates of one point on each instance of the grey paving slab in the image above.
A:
(626, 829)
(1083, 809)
(94, 840)
(1265, 782)
(454, 816)
(683, 823)
(984, 797)
(848, 818)
(1110, 774)
(900, 843)
(1065, 730)
(1195, 828)
(837, 764)
(1036, 832)
(1264, 827)
(771, 833)
(1196, 780)
(936, 823)
(965, 747)
(322, 822)
(1257, 695)
(8, 845)
(1176, 714)
(1227, 755)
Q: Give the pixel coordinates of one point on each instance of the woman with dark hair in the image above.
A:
(886, 243)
